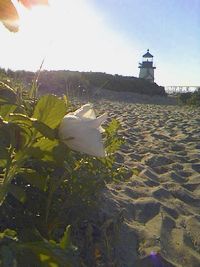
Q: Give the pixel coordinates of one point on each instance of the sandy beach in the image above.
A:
(160, 202)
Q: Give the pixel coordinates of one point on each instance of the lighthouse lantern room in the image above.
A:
(147, 68)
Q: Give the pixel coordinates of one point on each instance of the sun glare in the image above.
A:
(69, 35)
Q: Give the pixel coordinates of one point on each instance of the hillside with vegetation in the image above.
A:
(190, 98)
(63, 81)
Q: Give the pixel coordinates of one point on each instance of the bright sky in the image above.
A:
(108, 36)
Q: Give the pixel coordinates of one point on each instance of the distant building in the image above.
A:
(147, 68)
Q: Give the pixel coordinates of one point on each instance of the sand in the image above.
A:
(160, 202)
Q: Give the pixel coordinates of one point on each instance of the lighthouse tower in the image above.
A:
(147, 68)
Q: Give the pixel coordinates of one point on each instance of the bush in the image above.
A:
(190, 98)
(47, 190)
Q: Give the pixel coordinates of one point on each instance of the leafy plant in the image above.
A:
(18, 250)
(190, 98)
(46, 189)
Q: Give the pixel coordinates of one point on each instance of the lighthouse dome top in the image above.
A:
(148, 54)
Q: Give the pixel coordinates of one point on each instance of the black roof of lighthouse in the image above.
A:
(147, 54)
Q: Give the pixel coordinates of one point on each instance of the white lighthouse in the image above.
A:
(147, 68)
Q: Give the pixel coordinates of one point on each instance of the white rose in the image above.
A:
(81, 131)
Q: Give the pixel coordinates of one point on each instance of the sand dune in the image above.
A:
(161, 204)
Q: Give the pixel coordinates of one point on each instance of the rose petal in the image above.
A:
(9, 15)
(11, 26)
(81, 134)
(30, 3)
(90, 142)
(96, 123)
(85, 112)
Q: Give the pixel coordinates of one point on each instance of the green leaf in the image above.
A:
(45, 130)
(113, 142)
(19, 135)
(60, 153)
(7, 94)
(7, 256)
(6, 109)
(65, 242)
(34, 152)
(46, 144)
(46, 147)
(4, 156)
(10, 233)
(49, 254)
(4, 153)
(17, 192)
(50, 110)
(41, 127)
(4, 134)
(34, 178)
(25, 136)
(3, 192)
(14, 134)
(30, 235)
(41, 150)
(113, 127)
(21, 119)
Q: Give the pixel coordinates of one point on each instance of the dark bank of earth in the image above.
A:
(63, 81)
